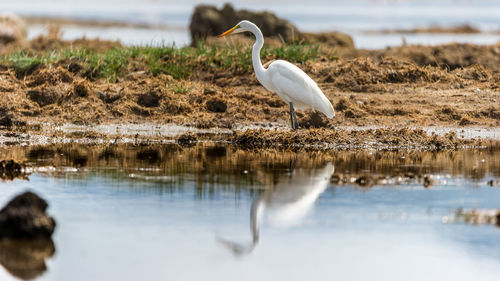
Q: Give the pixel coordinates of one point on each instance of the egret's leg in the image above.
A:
(293, 117)
(296, 122)
(292, 114)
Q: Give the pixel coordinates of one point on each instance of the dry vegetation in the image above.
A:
(212, 85)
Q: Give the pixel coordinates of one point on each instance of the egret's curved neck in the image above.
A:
(257, 64)
(255, 217)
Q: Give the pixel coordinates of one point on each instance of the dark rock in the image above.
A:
(216, 105)
(209, 21)
(24, 217)
(25, 259)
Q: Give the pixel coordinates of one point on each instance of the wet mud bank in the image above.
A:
(253, 137)
(382, 98)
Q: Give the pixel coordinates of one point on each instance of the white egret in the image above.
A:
(291, 84)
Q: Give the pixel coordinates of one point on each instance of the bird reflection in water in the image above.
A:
(26, 259)
(284, 204)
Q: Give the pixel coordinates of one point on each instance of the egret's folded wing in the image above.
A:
(291, 81)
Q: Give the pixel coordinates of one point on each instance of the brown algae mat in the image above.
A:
(392, 92)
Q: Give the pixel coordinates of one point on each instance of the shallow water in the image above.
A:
(357, 18)
(211, 212)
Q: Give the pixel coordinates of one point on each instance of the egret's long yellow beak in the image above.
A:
(228, 31)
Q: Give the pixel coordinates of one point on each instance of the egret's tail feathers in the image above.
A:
(321, 102)
(327, 109)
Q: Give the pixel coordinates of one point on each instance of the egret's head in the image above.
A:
(242, 26)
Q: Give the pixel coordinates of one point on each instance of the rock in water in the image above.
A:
(12, 29)
(210, 21)
(25, 217)
(25, 259)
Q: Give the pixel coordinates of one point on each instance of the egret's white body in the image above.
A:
(291, 84)
(293, 196)
(288, 81)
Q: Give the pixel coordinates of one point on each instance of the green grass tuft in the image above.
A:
(179, 89)
(23, 64)
(180, 63)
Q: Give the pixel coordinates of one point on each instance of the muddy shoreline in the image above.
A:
(382, 98)
(251, 138)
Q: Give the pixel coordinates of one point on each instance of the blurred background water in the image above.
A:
(167, 21)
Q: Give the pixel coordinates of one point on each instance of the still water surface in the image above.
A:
(164, 212)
